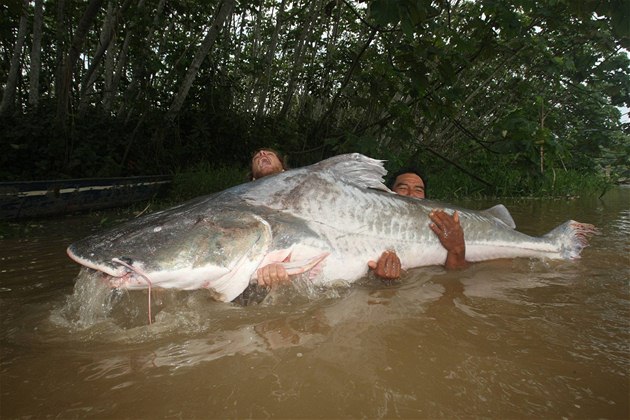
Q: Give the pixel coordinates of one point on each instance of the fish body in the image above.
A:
(328, 219)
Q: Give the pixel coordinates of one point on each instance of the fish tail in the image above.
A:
(572, 237)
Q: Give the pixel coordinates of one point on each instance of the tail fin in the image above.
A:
(573, 237)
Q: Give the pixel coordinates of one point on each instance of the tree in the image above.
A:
(8, 96)
(68, 68)
(223, 12)
(268, 62)
(455, 86)
(36, 51)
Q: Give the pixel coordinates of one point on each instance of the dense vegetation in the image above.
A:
(487, 96)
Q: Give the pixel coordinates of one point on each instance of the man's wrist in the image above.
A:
(456, 259)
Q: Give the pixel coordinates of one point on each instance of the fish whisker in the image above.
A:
(141, 274)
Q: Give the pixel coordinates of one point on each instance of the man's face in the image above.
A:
(409, 184)
(265, 163)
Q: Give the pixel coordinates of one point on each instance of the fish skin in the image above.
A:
(335, 214)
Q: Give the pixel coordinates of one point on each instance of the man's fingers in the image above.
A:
(391, 266)
(443, 220)
(260, 276)
(280, 273)
(392, 262)
(271, 274)
(435, 228)
(437, 217)
(387, 266)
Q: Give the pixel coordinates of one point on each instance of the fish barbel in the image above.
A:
(328, 219)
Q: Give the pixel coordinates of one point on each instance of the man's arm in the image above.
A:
(451, 236)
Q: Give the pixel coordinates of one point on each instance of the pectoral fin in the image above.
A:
(302, 266)
(294, 267)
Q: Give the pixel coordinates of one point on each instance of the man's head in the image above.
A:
(409, 182)
(266, 162)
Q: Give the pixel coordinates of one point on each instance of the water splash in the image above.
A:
(91, 302)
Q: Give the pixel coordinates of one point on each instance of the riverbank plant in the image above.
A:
(203, 179)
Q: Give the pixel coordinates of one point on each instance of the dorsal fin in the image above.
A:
(500, 212)
(356, 169)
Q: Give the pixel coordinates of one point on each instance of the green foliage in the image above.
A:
(509, 181)
(488, 97)
(204, 179)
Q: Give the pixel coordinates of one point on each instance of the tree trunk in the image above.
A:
(249, 100)
(36, 54)
(60, 46)
(107, 35)
(225, 9)
(299, 55)
(264, 92)
(113, 74)
(238, 44)
(134, 90)
(542, 140)
(108, 75)
(331, 48)
(91, 74)
(9, 91)
(63, 100)
(347, 78)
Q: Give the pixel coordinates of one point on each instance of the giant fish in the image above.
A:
(328, 219)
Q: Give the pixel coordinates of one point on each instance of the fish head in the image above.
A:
(179, 250)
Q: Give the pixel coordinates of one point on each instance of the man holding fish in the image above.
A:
(337, 210)
(408, 182)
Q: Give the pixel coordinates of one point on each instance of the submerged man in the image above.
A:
(266, 162)
(411, 183)
(408, 182)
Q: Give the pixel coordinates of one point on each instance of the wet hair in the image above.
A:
(408, 170)
(281, 157)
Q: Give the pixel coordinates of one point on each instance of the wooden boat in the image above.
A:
(20, 200)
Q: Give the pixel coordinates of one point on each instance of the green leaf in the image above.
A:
(385, 12)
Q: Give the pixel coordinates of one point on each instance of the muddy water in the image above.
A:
(502, 339)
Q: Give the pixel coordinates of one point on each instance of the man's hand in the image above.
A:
(451, 236)
(271, 275)
(387, 267)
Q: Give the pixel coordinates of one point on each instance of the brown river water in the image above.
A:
(502, 339)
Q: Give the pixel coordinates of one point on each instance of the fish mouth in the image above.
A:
(122, 273)
(111, 270)
(121, 276)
